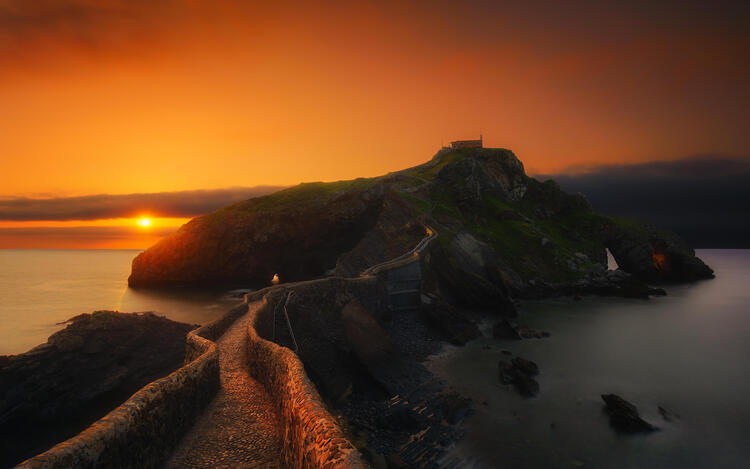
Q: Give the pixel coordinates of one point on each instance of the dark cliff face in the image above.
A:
(501, 233)
(298, 233)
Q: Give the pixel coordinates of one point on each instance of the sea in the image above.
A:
(41, 288)
(688, 352)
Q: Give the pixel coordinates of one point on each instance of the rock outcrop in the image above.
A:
(57, 389)
(624, 416)
(501, 234)
(520, 372)
(653, 255)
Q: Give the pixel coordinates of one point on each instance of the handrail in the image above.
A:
(289, 324)
(431, 234)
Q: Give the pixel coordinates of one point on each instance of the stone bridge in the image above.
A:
(239, 400)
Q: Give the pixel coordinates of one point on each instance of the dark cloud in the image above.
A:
(96, 233)
(93, 207)
(704, 198)
(78, 237)
(86, 22)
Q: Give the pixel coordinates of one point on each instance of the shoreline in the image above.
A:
(650, 353)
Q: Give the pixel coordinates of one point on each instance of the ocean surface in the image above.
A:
(40, 288)
(688, 352)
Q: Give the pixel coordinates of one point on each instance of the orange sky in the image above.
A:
(124, 96)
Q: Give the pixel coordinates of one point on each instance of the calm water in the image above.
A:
(687, 352)
(41, 288)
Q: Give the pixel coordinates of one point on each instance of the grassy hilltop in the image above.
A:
(500, 232)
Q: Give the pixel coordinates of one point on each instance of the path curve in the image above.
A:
(239, 428)
(407, 257)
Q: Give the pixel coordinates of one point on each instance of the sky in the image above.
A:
(129, 97)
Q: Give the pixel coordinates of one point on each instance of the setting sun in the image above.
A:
(144, 222)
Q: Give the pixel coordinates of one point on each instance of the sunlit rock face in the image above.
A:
(500, 234)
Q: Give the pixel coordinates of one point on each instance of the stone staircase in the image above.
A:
(403, 287)
(402, 276)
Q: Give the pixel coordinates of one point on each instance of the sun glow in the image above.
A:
(144, 222)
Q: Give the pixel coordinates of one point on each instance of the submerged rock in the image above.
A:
(624, 416)
(507, 373)
(527, 386)
(527, 367)
(520, 372)
(504, 329)
(667, 415)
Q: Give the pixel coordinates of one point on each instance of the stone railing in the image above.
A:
(411, 256)
(312, 438)
(142, 432)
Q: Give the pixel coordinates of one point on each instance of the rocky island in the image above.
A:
(388, 269)
(500, 235)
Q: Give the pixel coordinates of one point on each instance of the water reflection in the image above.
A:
(42, 288)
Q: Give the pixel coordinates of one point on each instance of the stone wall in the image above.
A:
(142, 432)
(312, 438)
(366, 289)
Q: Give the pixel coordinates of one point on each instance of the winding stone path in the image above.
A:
(239, 428)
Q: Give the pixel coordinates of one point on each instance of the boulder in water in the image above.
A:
(520, 372)
(623, 415)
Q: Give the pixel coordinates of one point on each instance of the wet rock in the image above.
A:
(519, 372)
(527, 367)
(526, 386)
(667, 415)
(507, 373)
(504, 329)
(623, 415)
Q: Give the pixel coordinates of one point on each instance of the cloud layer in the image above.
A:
(704, 198)
(180, 204)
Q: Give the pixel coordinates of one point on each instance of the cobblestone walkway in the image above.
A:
(239, 428)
